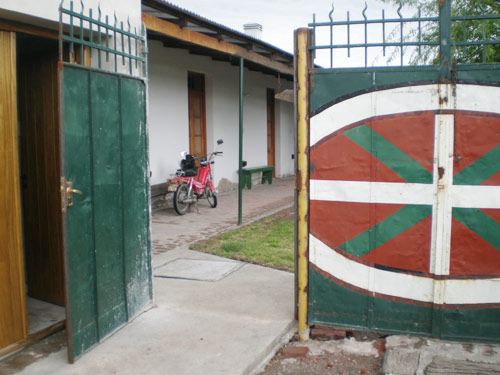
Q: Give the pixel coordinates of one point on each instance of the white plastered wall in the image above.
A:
(45, 14)
(169, 120)
(48, 10)
(285, 138)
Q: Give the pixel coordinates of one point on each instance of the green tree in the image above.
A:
(471, 31)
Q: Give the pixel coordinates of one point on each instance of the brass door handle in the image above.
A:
(70, 190)
(67, 192)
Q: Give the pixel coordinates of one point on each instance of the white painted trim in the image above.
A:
(401, 100)
(463, 196)
(372, 192)
(441, 240)
(468, 99)
(434, 234)
(475, 196)
(417, 288)
(472, 291)
(358, 274)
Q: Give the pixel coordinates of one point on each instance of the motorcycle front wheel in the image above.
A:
(180, 196)
(211, 197)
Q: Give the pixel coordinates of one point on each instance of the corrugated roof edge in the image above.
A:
(193, 15)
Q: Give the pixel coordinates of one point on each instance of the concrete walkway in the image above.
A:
(211, 315)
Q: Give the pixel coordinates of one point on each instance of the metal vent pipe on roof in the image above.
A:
(253, 29)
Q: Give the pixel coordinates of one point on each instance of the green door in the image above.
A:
(107, 227)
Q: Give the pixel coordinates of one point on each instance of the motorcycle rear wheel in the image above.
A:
(211, 197)
(180, 195)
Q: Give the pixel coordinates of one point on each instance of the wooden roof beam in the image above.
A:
(182, 22)
(174, 31)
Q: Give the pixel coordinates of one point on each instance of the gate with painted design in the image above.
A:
(399, 185)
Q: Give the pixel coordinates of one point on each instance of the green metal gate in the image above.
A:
(403, 183)
(105, 185)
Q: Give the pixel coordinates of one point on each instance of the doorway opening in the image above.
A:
(271, 132)
(39, 153)
(197, 121)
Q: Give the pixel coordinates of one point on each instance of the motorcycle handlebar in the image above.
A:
(208, 158)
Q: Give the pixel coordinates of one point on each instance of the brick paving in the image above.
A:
(171, 230)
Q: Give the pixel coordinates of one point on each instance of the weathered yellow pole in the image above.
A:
(302, 64)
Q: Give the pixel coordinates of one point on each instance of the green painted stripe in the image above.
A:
(399, 162)
(386, 230)
(480, 223)
(479, 171)
(330, 85)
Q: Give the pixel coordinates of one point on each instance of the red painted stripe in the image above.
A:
(339, 158)
(408, 251)
(337, 222)
(470, 254)
(413, 134)
(475, 135)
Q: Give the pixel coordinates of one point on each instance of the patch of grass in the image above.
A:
(268, 242)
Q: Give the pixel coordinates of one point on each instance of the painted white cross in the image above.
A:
(441, 194)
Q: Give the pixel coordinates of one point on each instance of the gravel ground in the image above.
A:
(363, 353)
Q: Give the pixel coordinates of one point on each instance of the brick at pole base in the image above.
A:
(294, 351)
(328, 333)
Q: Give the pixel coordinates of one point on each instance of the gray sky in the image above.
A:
(279, 18)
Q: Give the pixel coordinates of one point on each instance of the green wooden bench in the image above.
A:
(267, 174)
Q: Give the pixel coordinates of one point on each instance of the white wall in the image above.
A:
(48, 10)
(285, 138)
(45, 14)
(169, 121)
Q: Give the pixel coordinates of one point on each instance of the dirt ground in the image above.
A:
(358, 353)
(362, 353)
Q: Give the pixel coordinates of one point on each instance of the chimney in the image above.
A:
(253, 29)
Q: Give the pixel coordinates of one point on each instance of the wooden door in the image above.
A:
(39, 118)
(13, 324)
(270, 129)
(197, 124)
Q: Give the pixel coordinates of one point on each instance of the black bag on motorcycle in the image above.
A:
(188, 165)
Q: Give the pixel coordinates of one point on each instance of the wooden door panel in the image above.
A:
(197, 123)
(13, 324)
(270, 129)
(39, 116)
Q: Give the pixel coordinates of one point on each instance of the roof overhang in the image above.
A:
(178, 28)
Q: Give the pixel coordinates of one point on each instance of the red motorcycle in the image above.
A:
(193, 182)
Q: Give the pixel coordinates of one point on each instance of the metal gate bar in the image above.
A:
(84, 37)
(405, 34)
